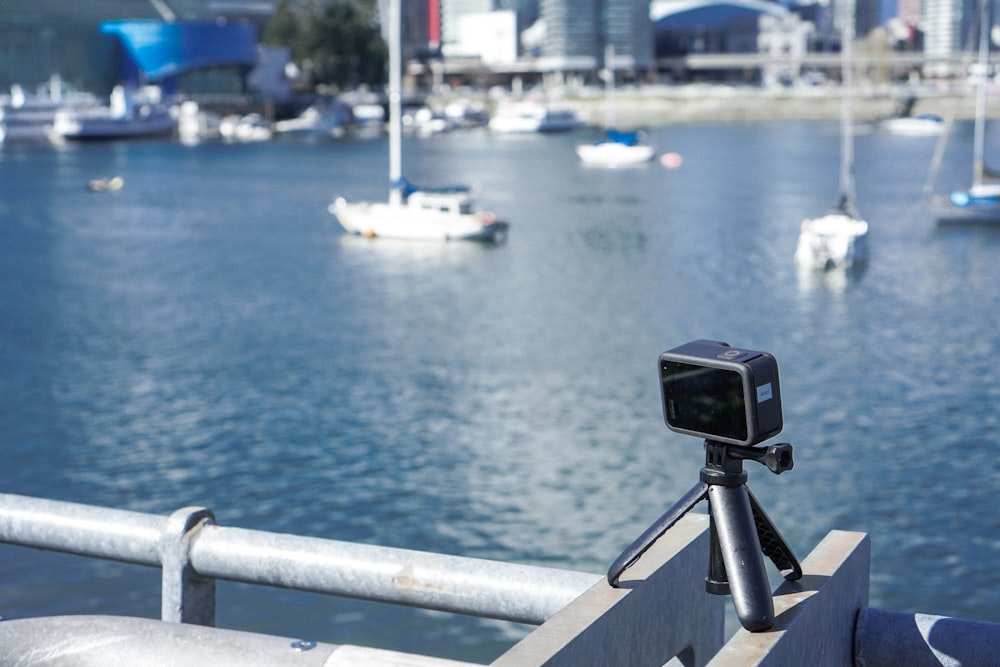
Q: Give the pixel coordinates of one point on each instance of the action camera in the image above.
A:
(721, 393)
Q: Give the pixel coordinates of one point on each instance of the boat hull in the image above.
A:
(526, 117)
(919, 126)
(130, 114)
(612, 154)
(399, 221)
(834, 241)
(973, 211)
(95, 128)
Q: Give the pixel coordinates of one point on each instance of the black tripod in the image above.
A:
(740, 531)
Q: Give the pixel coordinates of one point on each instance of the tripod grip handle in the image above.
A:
(741, 553)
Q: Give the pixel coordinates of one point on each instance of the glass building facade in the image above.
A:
(43, 39)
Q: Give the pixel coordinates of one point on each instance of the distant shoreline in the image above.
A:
(665, 105)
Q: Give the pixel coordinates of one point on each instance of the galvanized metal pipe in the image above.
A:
(492, 589)
(85, 530)
(522, 593)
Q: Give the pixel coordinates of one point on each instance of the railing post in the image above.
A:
(186, 596)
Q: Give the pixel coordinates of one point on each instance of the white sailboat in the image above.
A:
(412, 213)
(616, 149)
(924, 125)
(980, 203)
(839, 239)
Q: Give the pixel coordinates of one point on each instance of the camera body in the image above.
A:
(721, 393)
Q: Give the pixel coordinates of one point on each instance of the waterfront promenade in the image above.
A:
(659, 104)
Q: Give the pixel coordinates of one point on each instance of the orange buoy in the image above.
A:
(671, 160)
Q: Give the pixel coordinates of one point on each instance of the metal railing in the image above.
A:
(193, 552)
(661, 612)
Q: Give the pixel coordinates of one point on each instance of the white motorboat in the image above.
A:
(29, 117)
(195, 124)
(319, 120)
(425, 122)
(839, 239)
(247, 128)
(980, 203)
(130, 114)
(525, 116)
(413, 213)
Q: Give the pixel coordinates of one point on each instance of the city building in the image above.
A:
(183, 45)
(96, 44)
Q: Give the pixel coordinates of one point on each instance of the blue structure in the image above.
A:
(682, 27)
(710, 15)
(158, 52)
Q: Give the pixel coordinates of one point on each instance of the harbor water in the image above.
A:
(207, 335)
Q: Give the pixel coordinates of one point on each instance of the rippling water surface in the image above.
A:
(208, 336)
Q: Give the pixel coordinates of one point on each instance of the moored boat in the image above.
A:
(979, 204)
(112, 184)
(247, 128)
(533, 116)
(319, 120)
(29, 117)
(924, 125)
(195, 124)
(130, 114)
(838, 239)
(618, 149)
(421, 215)
(414, 213)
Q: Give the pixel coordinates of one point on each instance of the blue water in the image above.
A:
(208, 336)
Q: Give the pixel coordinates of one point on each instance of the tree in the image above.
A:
(285, 26)
(339, 44)
(347, 44)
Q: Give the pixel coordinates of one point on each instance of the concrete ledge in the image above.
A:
(660, 611)
(359, 656)
(815, 616)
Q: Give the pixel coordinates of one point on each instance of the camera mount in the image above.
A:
(740, 532)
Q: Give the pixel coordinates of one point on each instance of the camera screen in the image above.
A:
(705, 400)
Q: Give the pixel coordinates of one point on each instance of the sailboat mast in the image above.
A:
(847, 113)
(982, 75)
(395, 103)
(609, 86)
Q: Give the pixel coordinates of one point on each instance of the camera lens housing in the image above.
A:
(721, 393)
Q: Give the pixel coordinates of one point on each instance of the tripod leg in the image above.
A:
(773, 544)
(716, 583)
(644, 541)
(740, 547)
